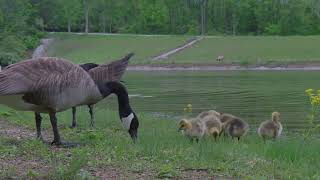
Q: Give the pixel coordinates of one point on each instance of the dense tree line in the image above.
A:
(238, 17)
(21, 21)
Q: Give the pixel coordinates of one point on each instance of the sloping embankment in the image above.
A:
(40, 51)
(180, 48)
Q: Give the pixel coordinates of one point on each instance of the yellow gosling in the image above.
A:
(192, 128)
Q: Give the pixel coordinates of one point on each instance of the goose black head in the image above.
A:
(128, 117)
(131, 123)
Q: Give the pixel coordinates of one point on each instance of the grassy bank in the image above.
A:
(243, 50)
(100, 48)
(253, 50)
(161, 151)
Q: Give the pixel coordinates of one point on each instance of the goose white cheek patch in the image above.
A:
(127, 121)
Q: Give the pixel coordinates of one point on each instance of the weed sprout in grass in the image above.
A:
(187, 110)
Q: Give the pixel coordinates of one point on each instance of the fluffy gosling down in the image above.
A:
(207, 113)
(234, 126)
(270, 129)
(213, 125)
(192, 128)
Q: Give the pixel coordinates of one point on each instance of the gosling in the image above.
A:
(234, 126)
(207, 113)
(193, 128)
(271, 129)
(213, 126)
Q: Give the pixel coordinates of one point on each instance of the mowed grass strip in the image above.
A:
(243, 50)
(105, 48)
(161, 151)
(252, 50)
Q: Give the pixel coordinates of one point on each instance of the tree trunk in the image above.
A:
(110, 25)
(202, 19)
(234, 25)
(104, 23)
(203, 16)
(86, 14)
(69, 24)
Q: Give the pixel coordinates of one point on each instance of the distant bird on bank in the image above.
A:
(271, 129)
(220, 58)
(51, 85)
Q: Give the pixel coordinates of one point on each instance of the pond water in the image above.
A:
(251, 95)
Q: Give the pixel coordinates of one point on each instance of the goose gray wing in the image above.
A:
(50, 82)
(110, 72)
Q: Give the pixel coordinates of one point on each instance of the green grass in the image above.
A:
(243, 50)
(160, 150)
(252, 50)
(100, 48)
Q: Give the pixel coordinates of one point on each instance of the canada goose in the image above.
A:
(271, 128)
(51, 85)
(233, 126)
(193, 128)
(213, 125)
(86, 67)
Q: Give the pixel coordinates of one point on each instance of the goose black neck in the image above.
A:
(123, 98)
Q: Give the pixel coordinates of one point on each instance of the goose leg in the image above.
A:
(74, 120)
(92, 115)
(38, 119)
(56, 135)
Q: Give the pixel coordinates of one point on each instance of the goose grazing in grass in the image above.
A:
(87, 67)
(192, 128)
(271, 129)
(51, 85)
(233, 126)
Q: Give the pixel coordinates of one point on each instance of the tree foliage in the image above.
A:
(22, 20)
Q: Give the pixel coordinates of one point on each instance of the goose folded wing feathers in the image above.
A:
(39, 75)
(112, 71)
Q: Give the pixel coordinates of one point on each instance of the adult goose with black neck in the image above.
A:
(116, 66)
(51, 85)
